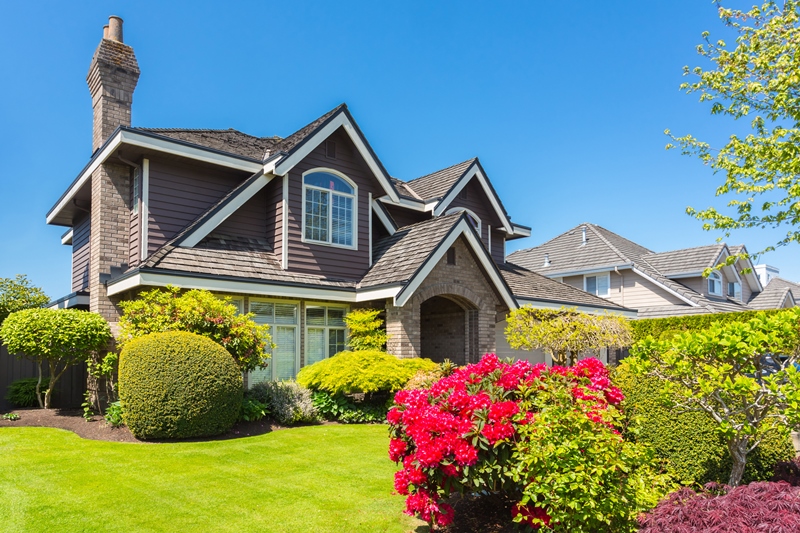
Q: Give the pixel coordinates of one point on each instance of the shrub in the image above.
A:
(688, 440)
(177, 385)
(788, 471)
(287, 402)
(546, 437)
(56, 337)
(252, 410)
(198, 312)
(366, 330)
(115, 415)
(365, 371)
(758, 506)
(664, 328)
(22, 393)
(424, 379)
(356, 409)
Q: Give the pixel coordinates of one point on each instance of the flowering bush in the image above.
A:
(545, 436)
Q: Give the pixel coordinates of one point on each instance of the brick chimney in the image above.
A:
(112, 78)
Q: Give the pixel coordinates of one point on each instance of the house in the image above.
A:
(296, 229)
(658, 284)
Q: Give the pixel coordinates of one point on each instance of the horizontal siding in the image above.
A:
(477, 202)
(250, 220)
(80, 254)
(498, 250)
(273, 193)
(631, 290)
(133, 247)
(332, 261)
(698, 285)
(404, 217)
(179, 193)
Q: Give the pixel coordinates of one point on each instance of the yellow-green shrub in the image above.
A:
(177, 384)
(363, 371)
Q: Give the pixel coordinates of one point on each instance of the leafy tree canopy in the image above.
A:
(17, 294)
(757, 78)
(565, 333)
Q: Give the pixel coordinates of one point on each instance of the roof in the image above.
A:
(437, 184)
(530, 285)
(775, 293)
(687, 260)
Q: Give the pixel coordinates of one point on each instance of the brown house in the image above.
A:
(297, 230)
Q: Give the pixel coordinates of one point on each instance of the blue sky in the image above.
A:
(565, 103)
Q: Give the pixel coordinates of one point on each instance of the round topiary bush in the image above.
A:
(176, 385)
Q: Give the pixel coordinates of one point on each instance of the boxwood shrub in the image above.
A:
(177, 385)
(687, 440)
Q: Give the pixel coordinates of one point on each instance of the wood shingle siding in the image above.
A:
(181, 193)
(333, 261)
(80, 254)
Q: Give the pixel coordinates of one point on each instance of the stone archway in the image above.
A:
(449, 329)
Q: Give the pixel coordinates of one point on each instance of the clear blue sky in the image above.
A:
(565, 103)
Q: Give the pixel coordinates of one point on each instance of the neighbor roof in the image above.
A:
(775, 294)
(687, 260)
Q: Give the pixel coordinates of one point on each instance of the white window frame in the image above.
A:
(598, 275)
(737, 290)
(354, 196)
(471, 213)
(714, 279)
(326, 327)
(297, 328)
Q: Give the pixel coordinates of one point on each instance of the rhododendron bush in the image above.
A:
(548, 437)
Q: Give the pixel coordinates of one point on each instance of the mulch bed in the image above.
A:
(98, 429)
(484, 514)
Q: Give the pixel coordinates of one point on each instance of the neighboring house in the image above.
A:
(297, 230)
(660, 284)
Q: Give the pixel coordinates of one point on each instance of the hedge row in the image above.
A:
(659, 327)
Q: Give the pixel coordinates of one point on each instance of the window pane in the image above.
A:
(335, 316)
(263, 312)
(315, 345)
(285, 314)
(335, 341)
(602, 285)
(315, 316)
(591, 284)
(328, 181)
(316, 215)
(283, 356)
(342, 220)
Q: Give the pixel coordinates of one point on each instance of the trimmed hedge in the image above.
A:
(687, 440)
(660, 327)
(363, 371)
(177, 385)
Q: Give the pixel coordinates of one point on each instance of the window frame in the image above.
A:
(354, 197)
(737, 290)
(714, 278)
(326, 327)
(606, 275)
(297, 328)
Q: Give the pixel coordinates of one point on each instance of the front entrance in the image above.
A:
(449, 329)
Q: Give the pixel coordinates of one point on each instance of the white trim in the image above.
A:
(470, 212)
(257, 288)
(285, 224)
(564, 273)
(717, 277)
(519, 230)
(354, 196)
(414, 205)
(287, 163)
(369, 223)
(297, 327)
(474, 170)
(383, 218)
(596, 276)
(462, 228)
(200, 232)
(67, 237)
(326, 327)
(78, 299)
(537, 304)
(683, 275)
(489, 237)
(671, 291)
(144, 212)
(160, 145)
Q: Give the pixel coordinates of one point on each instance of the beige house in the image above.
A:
(656, 284)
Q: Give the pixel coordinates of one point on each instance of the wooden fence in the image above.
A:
(69, 389)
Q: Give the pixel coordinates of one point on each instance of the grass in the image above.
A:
(319, 478)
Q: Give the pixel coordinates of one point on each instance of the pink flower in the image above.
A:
(397, 447)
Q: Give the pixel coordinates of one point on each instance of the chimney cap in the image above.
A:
(114, 29)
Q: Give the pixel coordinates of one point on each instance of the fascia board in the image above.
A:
(340, 120)
(584, 271)
(407, 203)
(67, 237)
(462, 228)
(258, 288)
(71, 301)
(544, 304)
(522, 231)
(682, 275)
(200, 232)
(669, 290)
(377, 208)
(472, 171)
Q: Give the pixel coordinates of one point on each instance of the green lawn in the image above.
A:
(310, 479)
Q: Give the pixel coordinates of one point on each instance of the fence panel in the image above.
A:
(69, 389)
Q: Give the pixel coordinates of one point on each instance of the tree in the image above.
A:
(758, 79)
(366, 331)
(18, 294)
(198, 312)
(741, 373)
(565, 333)
(58, 337)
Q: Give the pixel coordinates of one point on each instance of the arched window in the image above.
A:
(715, 284)
(472, 217)
(328, 209)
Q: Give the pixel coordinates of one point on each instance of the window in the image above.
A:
(325, 332)
(328, 209)
(735, 290)
(715, 284)
(451, 256)
(135, 199)
(472, 217)
(282, 320)
(598, 285)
